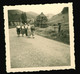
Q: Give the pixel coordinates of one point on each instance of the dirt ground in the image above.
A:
(38, 52)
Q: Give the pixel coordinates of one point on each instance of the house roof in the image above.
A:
(42, 15)
(39, 17)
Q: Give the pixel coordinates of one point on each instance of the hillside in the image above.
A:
(49, 16)
(31, 14)
(52, 31)
(65, 10)
(15, 11)
(16, 14)
(60, 18)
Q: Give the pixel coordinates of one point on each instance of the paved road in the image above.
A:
(38, 52)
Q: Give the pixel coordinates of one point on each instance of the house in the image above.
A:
(41, 20)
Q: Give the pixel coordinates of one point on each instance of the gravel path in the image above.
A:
(39, 52)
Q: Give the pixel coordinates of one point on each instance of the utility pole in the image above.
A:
(59, 29)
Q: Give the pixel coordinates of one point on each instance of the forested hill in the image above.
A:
(65, 10)
(59, 18)
(31, 14)
(16, 14)
(62, 17)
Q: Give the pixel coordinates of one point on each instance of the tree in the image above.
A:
(24, 18)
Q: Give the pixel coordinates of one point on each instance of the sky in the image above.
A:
(46, 8)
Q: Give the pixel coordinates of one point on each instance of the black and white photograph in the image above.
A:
(39, 37)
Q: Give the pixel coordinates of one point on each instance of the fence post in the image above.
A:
(59, 29)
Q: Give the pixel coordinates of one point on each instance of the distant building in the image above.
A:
(41, 20)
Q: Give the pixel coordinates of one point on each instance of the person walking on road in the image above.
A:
(33, 31)
(18, 30)
(29, 30)
(26, 26)
(23, 30)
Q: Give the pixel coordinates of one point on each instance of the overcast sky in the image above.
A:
(46, 8)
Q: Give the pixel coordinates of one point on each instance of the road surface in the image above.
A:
(39, 52)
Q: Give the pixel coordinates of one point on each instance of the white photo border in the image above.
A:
(7, 46)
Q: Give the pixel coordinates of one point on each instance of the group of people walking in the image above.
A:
(26, 29)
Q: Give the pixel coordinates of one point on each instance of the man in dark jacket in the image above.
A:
(26, 26)
(18, 30)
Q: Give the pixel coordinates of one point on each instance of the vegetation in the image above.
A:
(62, 36)
(24, 18)
(41, 21)
(47, 31)
(65, 10)
(16, 15)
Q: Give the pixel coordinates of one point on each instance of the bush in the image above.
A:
(63, 36)
(49, 32)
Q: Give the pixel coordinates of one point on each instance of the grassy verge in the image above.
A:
(63, 36)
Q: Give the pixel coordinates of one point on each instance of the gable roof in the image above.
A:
(42, 15)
